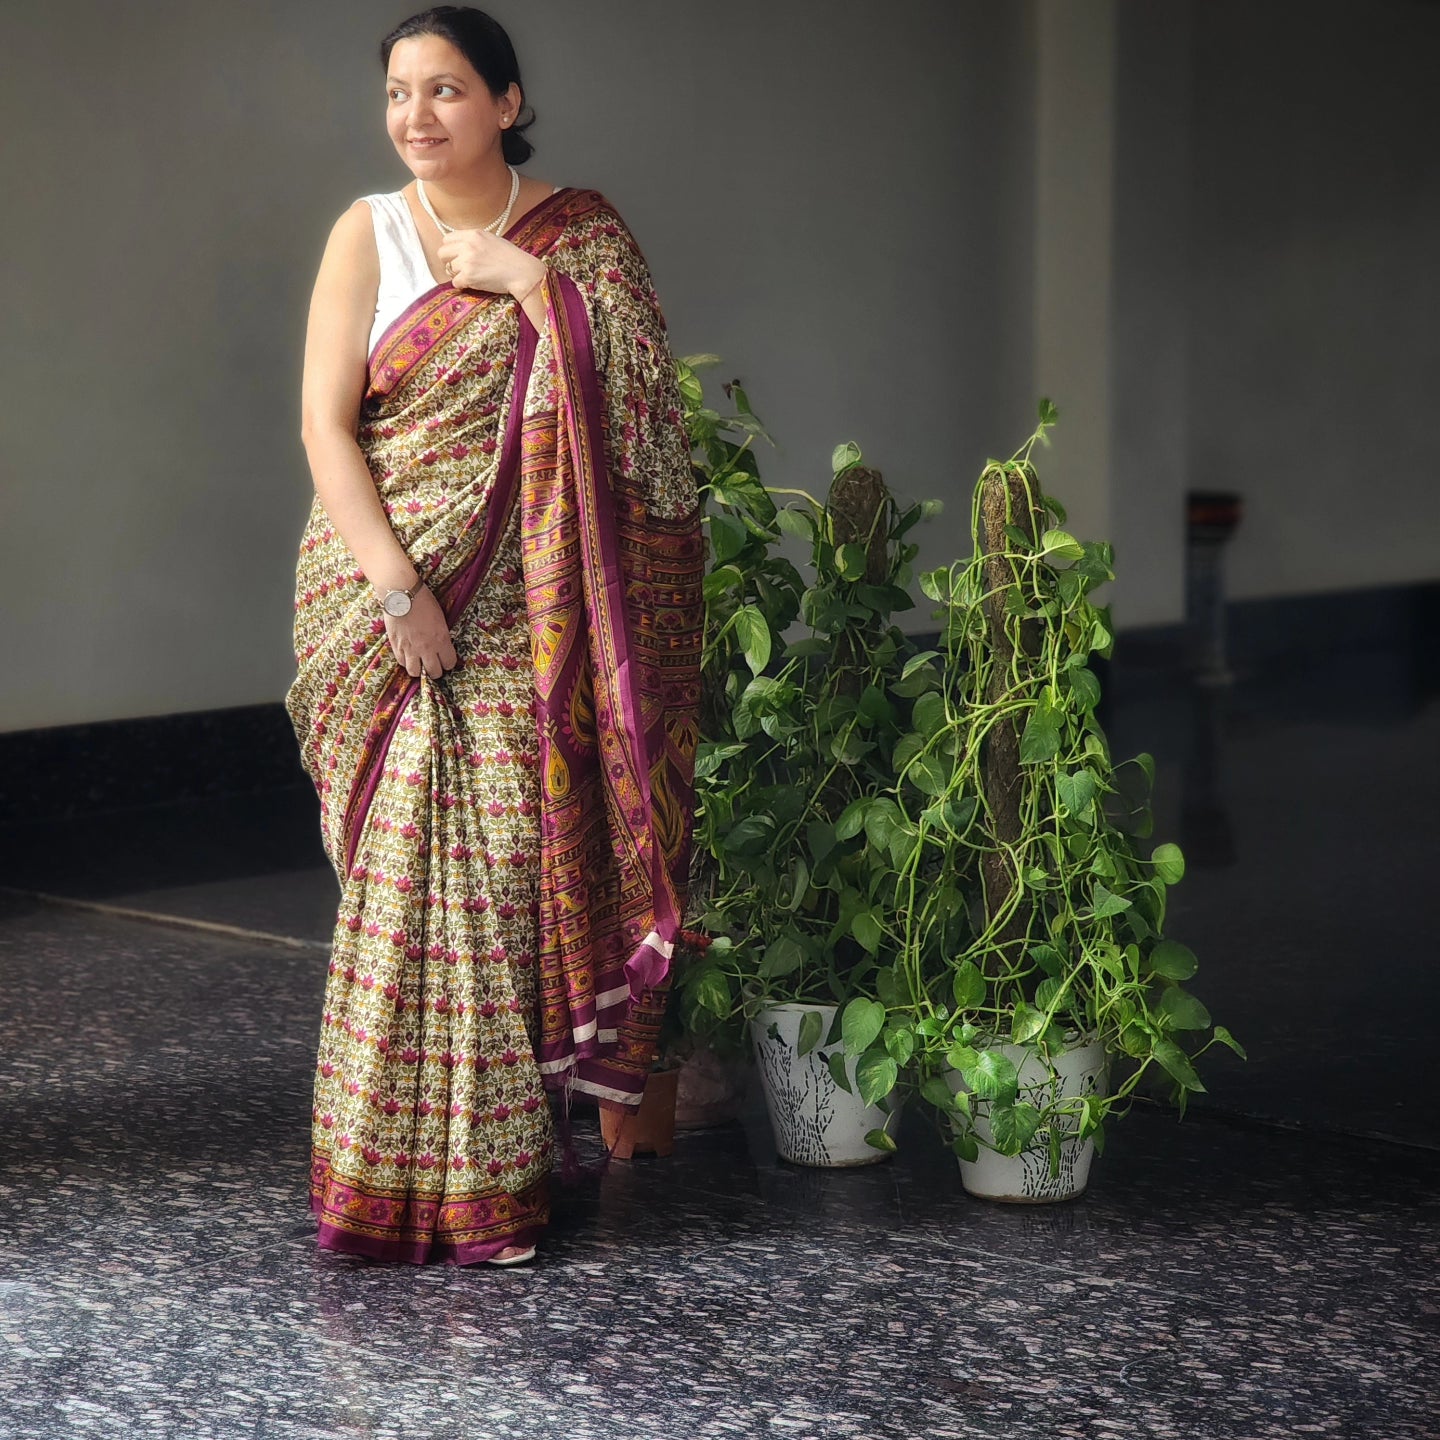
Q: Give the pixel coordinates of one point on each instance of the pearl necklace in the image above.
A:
(497, 226)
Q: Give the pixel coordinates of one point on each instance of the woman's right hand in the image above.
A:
(421, 640)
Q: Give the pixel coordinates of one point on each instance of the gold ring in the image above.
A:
(449, 267)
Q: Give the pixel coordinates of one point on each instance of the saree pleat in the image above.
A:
(510, 838)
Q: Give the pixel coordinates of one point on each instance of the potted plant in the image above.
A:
(792, 734)
(1027, 919)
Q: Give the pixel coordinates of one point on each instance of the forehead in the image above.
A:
(428, 57)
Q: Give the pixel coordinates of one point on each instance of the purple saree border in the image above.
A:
(646, 967)
(461, 589)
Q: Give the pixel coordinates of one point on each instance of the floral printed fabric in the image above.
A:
(432, 1135)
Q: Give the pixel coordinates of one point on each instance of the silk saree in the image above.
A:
(511, 839)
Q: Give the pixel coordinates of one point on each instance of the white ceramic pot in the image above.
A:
(814, 1120)
(1025, 1178)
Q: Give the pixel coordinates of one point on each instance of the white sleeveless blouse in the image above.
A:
(404, 273)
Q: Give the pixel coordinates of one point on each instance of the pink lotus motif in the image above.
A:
(349, 972)
(489, 1009)
(423, 1107)
(497, 952)
(344, 1141)
(488, 445)
(328, 1121)
(404, 884)
(506, 911)
(391, 1106)
(397, 937)
(410, 829)
(500, 1112)
(353, 1088)
(427, 1161)
(409, 1054)
(414, 952)
(531, 1104)
(509, 1058)
(367, 982)
(372, 929)
(353, 924)
(458, 1163)
(505, 708)
(392, 991)
(495, 808)
(457, 1110)
(382, 1045)
(371, 1155)
(496, 1167)
(523, 1159)
(402, 1159)
(327, 1069)
(447, 1057)
(435, 951)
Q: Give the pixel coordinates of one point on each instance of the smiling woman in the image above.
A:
(497, 631)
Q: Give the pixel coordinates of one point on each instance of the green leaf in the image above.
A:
(795, 522)
(1013, 1127)
(929, 775)
(850, 561)
(782, 957)
(727, 536)
(812, 1026)
(875, 1076)
(852, 819)
(1169, 863)
(938, 1092)
(1173, 960)
(1085, 687)
(1025, 1022)
(753, 631)
(1226, 1038)
(835, 1063)
(1062, 545)
(962, 1057)
(752, 833)
(844, 456)
(994, 1077)
(880, 1140)
(860, 1024)
(1107, 904)
(1041, 737)
(865, 927)
(711, 991)
(928, 716)
(968, 985)
(1184, 1009)
(1177, 1063)
(916, 661)
(900, 1044)
(820, 836)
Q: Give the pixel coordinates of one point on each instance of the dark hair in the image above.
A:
(482, 40)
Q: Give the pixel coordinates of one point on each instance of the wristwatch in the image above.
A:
(397, 602)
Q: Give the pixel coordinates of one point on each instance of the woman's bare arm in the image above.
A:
(342, 308)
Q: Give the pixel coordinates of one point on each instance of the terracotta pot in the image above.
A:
(710, 1090)
(651, 1128)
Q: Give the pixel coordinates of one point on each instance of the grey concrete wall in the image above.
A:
(1315, 288)
(835, 197)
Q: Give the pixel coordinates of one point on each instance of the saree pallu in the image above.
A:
(512, 838)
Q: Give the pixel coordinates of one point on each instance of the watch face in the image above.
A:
(397, 603)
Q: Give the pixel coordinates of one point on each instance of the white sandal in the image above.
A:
(519, 1259)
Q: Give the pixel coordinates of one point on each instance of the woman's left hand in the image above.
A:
(478, 260)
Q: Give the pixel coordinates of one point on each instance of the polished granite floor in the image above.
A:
(1266, 1267)
(159, 1276)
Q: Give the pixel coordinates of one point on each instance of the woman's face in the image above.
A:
(441, 115)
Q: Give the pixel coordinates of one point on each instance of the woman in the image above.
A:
(497, 628)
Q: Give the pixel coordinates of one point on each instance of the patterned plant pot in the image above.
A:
(1025, 1178)
(710, 1090)
(814, 1120)
(651, 1128)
